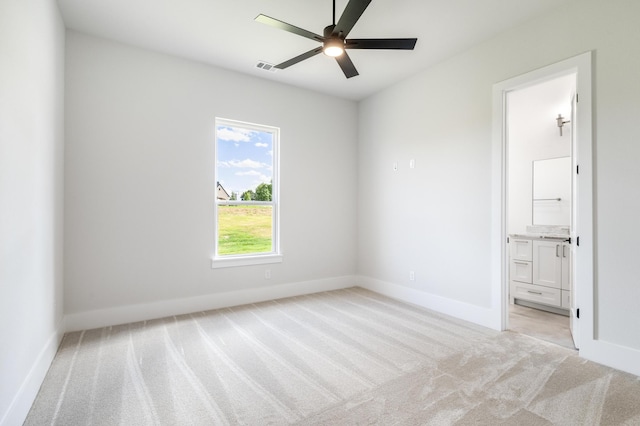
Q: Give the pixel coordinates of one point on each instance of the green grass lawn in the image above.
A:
(244, 229)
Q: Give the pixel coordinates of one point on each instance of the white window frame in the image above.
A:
(275, 255)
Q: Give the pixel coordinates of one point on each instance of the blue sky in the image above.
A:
(245, 158)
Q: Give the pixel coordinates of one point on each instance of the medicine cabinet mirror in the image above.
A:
(552, 191)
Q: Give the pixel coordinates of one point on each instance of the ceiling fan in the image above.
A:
(334, 39)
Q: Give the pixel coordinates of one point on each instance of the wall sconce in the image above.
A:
(561, 122)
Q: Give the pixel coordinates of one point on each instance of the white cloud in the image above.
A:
(223, 164)
(233, 134)
(247, 164)
(249, 173)
(262, 145)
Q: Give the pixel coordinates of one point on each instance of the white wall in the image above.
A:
(533, 134)
(438, 223)
(31, 198)
(140, 185)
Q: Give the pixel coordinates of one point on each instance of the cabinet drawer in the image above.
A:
(519, 270)
(566, 299)
(536, 293)
(521, 249)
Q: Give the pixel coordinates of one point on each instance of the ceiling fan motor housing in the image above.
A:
(328, 32)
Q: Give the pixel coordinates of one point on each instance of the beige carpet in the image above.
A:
(342, 357)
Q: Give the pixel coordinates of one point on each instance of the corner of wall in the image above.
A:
(26, 395)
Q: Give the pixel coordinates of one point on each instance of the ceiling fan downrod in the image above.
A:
(334, 13)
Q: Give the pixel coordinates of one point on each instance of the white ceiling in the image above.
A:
(224, 33)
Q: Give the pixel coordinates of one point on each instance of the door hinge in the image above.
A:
(578, 241)
(578, 313)
(576, 98)
(578, 169)
(507, 240)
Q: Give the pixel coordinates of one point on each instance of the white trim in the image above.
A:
(243, 203)
(465, 311)
(234, 261)
(26, 395)
(163, 308)
(620, 357)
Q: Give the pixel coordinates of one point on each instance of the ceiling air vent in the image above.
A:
(266, 66)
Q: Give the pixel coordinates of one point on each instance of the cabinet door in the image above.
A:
(547, 263)
(566, 266)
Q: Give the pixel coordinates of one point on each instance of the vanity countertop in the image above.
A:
(552, 237)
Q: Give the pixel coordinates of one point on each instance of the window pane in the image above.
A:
(244, 229)
(245, 162)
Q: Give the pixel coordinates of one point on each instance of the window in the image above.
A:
(246, 205)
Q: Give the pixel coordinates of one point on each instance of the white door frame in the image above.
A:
(584, 280)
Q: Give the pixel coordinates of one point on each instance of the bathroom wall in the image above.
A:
(533, 134)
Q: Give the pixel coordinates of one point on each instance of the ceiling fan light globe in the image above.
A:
(333, 51)
(333, 46)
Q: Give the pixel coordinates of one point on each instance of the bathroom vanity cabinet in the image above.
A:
(540, 270)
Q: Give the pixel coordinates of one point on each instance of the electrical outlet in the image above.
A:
(412, 163)
(267, 274)
(412, 276)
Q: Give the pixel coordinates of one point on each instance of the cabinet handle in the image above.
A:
(557, 247)
(539, 293)
(521, 263)
(564, 254)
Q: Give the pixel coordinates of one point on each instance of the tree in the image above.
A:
(263, 192)
(248, 195)
(234, 196)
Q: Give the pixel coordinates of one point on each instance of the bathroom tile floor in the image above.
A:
(542, 325)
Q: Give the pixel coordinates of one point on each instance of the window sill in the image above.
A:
(231, 261)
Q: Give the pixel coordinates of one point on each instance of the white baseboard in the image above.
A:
(472, 313)
(612, 355)
(26, 395)
(147, 311)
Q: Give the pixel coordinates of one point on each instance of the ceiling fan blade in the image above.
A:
(381, 43)
(347, 66)
(299, 58)
(288, 27)
(351, 14)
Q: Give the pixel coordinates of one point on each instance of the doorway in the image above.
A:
(582, 301)
(539, 146)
